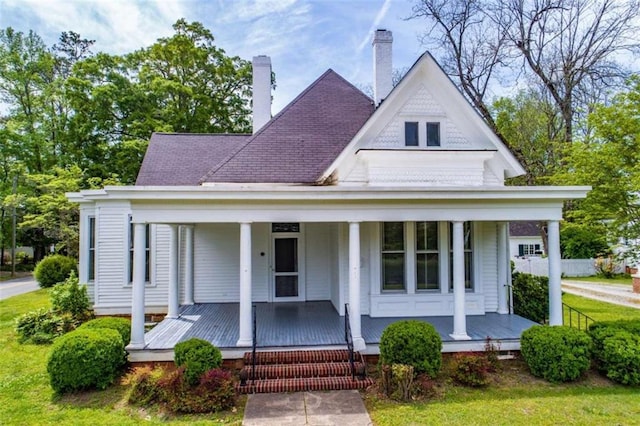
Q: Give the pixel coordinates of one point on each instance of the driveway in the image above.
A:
(17, 286)
(619, 294)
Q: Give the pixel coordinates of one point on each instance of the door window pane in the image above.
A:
(287, 286)
(286, 254)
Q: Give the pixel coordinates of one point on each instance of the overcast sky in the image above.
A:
(303, 37)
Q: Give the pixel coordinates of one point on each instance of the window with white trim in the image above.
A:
(529, 250)
(411, 137)
(427, 256)
(147, 255)
(393, 256)
(468, 255)
(91, 267)
(433, 134)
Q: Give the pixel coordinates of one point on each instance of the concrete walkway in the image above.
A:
(10, 288)
(306, 408)
(618, 294)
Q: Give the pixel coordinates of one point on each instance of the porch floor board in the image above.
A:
(298, 324)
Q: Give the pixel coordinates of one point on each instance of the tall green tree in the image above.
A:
(193, 84)
(610, 162)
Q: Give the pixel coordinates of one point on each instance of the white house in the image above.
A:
(397, 207)
(525, 240)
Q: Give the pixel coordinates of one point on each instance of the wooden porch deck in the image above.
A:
(315, 324)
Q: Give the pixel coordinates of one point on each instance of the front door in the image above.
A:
(287, 272)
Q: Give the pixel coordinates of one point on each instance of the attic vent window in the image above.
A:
(411, 133)
(433, 134)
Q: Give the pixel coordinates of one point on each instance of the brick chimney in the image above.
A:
(382, 65)
(261, 91)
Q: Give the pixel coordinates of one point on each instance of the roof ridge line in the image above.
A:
(290, 105)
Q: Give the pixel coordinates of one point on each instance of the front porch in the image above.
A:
(310, 325)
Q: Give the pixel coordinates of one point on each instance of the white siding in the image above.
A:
(260, 271)
(157, 294)
(112, 257)
(488, 257)
(216, 263)
(318, 277)
(334, 254)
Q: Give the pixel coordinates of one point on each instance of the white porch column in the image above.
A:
(555, 273)
(173, 305)
(459, 315)
(246, 326)
(503, 267)
(188, 265)
(137, 297)
(354, 286)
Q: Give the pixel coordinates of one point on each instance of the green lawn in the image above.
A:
(617, 280)
(531, 402)
(599, 311)
(27, 399)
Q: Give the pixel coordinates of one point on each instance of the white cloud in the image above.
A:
(379, 17)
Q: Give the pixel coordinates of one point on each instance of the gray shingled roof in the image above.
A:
(300, 143)
(295, 146)
(182, 158)
(524, 229)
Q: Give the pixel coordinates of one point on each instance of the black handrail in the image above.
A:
(349, 339)
(579, 315)
(254, 344)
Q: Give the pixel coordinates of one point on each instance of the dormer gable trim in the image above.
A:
(393, 103)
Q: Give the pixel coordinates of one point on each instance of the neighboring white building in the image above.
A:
(397, 208)
(525, 240)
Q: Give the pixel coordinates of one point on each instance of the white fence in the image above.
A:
(570, 267)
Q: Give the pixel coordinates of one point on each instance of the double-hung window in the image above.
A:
(92, 249)
(421, 134)
(393, 256)
(468, 255)
(427, 256)
(147, 254)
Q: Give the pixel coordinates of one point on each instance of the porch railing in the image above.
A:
(254, 343)
(581, 319)
(349, 339)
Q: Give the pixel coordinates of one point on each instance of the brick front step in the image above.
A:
(323, 369)
(296, 357)
(303, 384)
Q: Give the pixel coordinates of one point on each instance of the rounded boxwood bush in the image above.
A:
(121, 325)
(557, 353)
(197, 356)
(412, 342)
(54, 269)
(620, 357)
(85, 359)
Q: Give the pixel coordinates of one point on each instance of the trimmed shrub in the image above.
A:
(197, 356)
(412, 342)
(54, 269)
(121, 325)
(85, 359)
(621, 357)
(71, 298)
(531, 296)
(39, 327)
(145, 388)
(602, 330)
(557, 354)
(471, 369)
